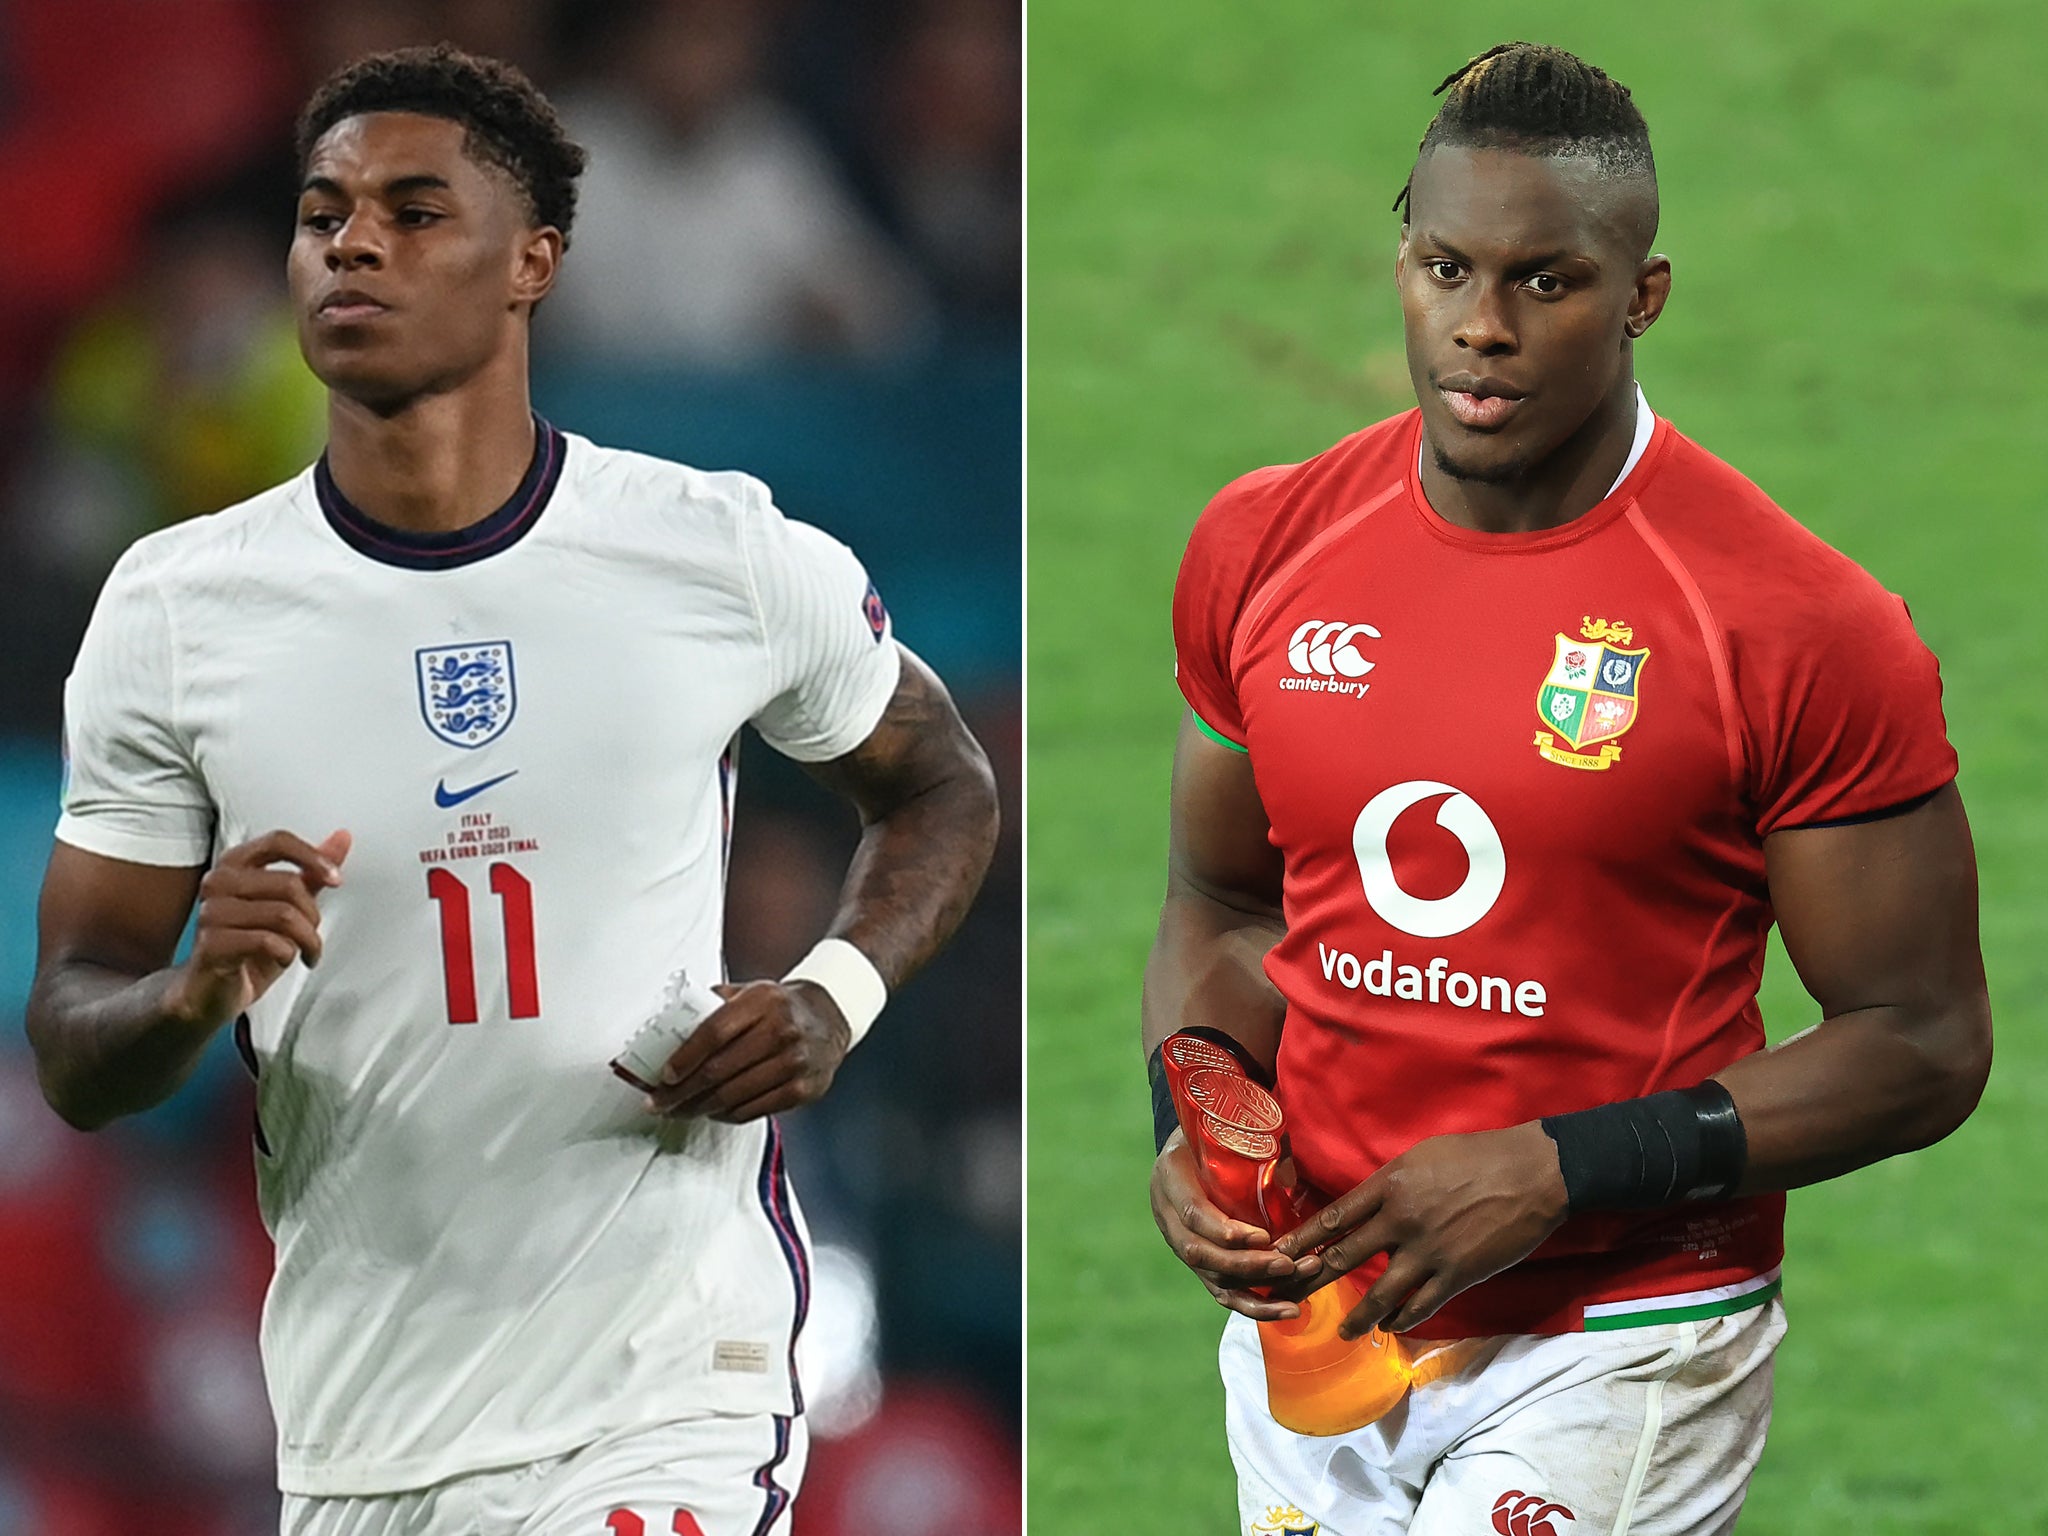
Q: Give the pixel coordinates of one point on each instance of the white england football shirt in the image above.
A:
(487, 1252)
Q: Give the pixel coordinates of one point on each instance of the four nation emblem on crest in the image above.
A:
(466, 691)
(1590, 695)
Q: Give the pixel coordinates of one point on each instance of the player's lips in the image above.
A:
(346, 304)
(1482, 404)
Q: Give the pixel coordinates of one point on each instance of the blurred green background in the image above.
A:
(1853, 204)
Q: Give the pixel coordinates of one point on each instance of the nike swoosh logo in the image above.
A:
(445, 797)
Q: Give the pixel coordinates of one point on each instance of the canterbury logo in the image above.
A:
(1516, 1513)
(1329, 650)
(1486, 862)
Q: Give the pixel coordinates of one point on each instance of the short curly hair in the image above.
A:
(507, 122)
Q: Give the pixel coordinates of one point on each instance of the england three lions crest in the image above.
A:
(467, 693)
(1590, 696)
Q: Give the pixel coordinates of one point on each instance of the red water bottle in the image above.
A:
(1317, 1382)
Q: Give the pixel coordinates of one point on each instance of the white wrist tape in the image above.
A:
(850, 979)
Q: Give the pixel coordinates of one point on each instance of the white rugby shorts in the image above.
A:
(1646, 1431)
(713, 1475)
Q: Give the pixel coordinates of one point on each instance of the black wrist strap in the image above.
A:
(1165, 1118)
(1686, 1144)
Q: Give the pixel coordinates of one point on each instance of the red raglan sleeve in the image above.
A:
(1847, 721)
(1208, 597)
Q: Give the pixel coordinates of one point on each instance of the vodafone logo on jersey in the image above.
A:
(1326, 658)
(1486, 861)
(1409, 978)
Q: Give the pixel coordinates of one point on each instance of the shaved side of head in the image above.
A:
(1537, 100)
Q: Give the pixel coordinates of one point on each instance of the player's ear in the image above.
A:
(536, 261)
(1653, 287)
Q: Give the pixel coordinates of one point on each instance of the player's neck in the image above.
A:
(442, 462)
(1566, 485)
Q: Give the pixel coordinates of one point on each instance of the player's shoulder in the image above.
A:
(1266, 515)
(1745, 550)
(717, 529)
(215, 543)
(674, 495)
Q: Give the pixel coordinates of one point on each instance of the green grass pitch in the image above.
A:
(1852, 196)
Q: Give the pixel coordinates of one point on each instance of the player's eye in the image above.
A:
(1546, 285)
(1443, 271)
(417, 216)
(321, 222)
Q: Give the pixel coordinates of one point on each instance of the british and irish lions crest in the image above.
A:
(1590, 695)
(467, 693)
(1285, 1520)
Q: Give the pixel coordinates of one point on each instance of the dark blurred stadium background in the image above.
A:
(798, 253)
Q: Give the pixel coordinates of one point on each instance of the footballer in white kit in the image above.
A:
(512, 1290)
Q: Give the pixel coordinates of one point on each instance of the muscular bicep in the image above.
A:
(111, 913)
(1218, 843)
(1222, 911)
(1882, 913)
(919, 742)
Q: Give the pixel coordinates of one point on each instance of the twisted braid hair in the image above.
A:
(1541, 100)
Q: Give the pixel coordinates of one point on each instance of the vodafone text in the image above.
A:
(1434, 982)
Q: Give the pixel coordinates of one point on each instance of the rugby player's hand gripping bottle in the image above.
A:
(1317, 1382)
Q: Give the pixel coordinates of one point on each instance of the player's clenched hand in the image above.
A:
(773, 1046)
(257, 915)
(1227, 1256)
(1448, 1213)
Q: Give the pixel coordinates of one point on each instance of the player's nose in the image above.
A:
(354, 245)
(1482, 323)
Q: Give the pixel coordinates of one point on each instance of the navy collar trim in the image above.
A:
(461, 546)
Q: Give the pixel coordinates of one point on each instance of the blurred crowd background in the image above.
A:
(798, 253)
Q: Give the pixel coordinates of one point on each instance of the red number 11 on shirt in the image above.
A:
(458, 957)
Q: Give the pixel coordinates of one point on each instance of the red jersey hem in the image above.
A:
(1551, 1295)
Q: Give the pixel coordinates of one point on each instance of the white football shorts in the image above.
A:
(713, 1475)
(1648, 1431)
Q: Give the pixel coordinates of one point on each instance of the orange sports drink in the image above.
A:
(1317, 1382)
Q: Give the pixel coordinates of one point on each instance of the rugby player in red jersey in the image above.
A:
(1515, 721)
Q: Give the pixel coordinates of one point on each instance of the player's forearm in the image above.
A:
(927, 801)
(1207, 968)
(1859, 1088)
(917, 869)
(106, 1043)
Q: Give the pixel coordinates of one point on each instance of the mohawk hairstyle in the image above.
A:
(1525, 96)
(506, 121)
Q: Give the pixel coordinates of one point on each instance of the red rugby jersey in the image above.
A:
(1521, 783)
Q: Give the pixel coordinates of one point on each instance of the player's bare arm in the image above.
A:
(927, 803)
(1880, 920)
(114, 1025)
(1221, 914)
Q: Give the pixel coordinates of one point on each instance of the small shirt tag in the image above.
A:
(740, 1355)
